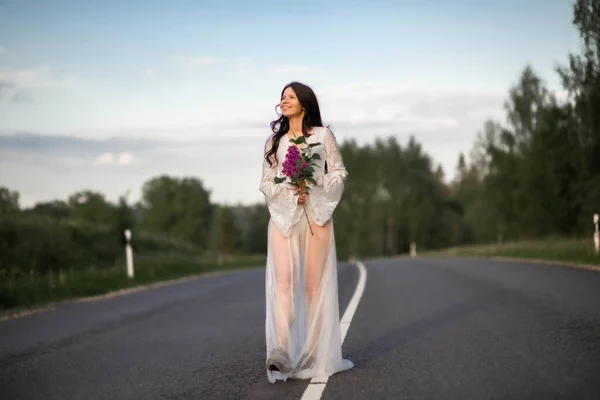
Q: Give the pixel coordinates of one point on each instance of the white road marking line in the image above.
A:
(358, 292)
(315, 388)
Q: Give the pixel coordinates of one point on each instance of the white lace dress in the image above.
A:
(302, 312)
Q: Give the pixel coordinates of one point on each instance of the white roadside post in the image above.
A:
(129, 254)
(413, 249)
(596, 234)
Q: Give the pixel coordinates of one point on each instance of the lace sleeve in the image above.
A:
(282, 201)
(326, 198)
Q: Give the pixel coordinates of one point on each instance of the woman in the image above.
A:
(302, 316)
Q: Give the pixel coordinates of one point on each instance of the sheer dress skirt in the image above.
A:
(302, 314)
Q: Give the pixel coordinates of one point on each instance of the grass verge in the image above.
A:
(19, 296)
(573, 251)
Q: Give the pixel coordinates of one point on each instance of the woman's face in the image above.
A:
(290, 106)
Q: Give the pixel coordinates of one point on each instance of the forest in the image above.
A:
(534, 175)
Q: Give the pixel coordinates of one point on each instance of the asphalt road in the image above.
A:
(424, 329)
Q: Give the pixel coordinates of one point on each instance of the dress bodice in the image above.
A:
(281, 198)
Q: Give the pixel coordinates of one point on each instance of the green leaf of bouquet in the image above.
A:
(311, 180)
(316, 156)
(279, 180)
(313, 145)
(300, 140)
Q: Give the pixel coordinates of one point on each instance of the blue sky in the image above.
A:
(182, 87)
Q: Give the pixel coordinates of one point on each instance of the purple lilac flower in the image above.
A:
(291, 159)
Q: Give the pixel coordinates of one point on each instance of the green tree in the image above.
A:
(124, 219)
(230, 236)
(255, 236)
(179, 207)
(90, 206)
(358, 227)
(581, 79)
(56, 209)
(9, 201)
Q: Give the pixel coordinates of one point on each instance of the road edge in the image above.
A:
(557, 263)
(47, 307)
(588, 267)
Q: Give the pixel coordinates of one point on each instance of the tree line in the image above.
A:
(174, 215)
(536, 174)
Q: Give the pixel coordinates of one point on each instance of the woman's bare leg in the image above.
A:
(317, 249)
(282, 258)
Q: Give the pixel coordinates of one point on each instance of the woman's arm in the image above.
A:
(325, 199)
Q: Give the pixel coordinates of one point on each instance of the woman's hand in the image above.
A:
(303, 193)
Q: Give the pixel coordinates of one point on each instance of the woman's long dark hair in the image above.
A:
(281, 126)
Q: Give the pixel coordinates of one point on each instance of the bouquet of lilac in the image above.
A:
(298, 167)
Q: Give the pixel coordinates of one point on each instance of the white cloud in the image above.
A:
(44, 168)
(150, 73)
(115, 159)
(104, 159)
(18, 85)
(125, 159)
(35, 78)
(444, 119)
(410, 108)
